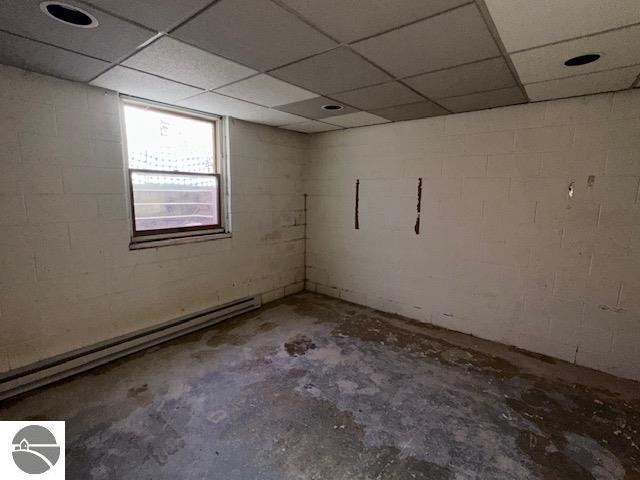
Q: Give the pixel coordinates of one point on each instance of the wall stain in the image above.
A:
(272, 236)
(537, 356)
(610, 308)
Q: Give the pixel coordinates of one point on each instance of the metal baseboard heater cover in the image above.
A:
(65, 365)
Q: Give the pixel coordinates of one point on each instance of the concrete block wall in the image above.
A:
(67, 276)
(504, 252)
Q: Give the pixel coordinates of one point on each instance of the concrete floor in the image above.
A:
(314, 388)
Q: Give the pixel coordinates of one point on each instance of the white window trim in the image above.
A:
(222, 143)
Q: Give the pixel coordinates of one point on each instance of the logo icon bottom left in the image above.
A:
(35, 449)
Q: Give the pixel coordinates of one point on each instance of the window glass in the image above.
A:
(167, 201)
(159, 140)
(173, 172)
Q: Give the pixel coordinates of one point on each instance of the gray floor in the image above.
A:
(314, 388)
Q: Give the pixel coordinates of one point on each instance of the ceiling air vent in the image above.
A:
(69, 14)
(582, 60)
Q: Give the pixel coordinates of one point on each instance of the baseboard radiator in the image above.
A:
(52, 369)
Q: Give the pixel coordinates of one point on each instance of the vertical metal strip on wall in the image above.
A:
(357, 220)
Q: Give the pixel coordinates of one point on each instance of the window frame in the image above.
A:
(169, 236)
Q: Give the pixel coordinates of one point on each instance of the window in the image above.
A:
(175, 180)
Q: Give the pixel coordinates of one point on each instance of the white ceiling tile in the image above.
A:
(39, 57)
(312, 108)
(257, 33)
(111, 40)
(482, 100)
(379, 96)
(609, 80)
(159, 15)
(358, 119)
(269, 116)
(529, 23)
(311, 126)
(411, 111)
(475, 77)
(334, 71)
(143, 85)
(337, 17)
(178, 61)
(619, 48)
(456, 37)
(220, 105)
(266, 90)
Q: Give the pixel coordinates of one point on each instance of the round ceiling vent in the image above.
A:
(332, 107)
(582, 60)
(69, 14)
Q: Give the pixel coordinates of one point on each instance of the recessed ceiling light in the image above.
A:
(69, 14)
(582, 59)
(332, 107)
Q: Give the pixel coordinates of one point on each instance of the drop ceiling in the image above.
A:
(279, 62)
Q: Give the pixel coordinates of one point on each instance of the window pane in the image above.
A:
(164, 201)
(164, 141)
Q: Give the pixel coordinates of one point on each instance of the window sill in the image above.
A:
(142, 244)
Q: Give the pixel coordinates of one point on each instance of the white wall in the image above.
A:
(67, 277)
(503, 253)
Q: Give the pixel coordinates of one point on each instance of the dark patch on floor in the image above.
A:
(299, 345)
(552, 463)
(314, 388)
(418, 340)
(266, 327)
(141, 395)
(613, 425)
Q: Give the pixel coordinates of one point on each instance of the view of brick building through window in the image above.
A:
(173, 171)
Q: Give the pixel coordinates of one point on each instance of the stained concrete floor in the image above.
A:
(314, 388)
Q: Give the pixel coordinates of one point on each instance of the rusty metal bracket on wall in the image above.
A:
(417, 226)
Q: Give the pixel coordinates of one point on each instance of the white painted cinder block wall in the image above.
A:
(67, 277)
(503, 252)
